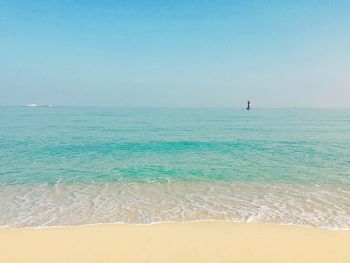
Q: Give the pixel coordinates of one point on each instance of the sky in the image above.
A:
(175, 53)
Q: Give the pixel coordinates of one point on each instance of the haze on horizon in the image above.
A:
(175, 53)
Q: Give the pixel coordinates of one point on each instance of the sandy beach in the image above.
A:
(175, 242)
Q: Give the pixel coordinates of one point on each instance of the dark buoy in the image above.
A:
(248, 105)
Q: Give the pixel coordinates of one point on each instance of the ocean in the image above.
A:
(65, 166)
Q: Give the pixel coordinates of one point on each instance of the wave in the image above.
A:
(61, 204)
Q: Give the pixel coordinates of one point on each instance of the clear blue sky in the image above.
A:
(175, 53)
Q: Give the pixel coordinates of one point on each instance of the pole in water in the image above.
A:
(248, 105)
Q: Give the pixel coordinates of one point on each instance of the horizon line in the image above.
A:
(174, 107)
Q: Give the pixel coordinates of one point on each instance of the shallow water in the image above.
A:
(72, 166)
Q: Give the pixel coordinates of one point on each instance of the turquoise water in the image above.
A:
(71, 165)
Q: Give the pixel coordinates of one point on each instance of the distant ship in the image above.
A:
(38, 105)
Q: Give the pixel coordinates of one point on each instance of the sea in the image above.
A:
(69, 166)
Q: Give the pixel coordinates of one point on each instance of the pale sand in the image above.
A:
(175, 242)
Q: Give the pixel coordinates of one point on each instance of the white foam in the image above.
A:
(145, 203)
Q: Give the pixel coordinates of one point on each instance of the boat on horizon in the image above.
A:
(38, 105)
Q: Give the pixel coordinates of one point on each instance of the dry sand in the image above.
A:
(175, 242)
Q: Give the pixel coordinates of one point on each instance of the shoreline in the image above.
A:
(135, 203)
(176, 222)
(201, 241)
